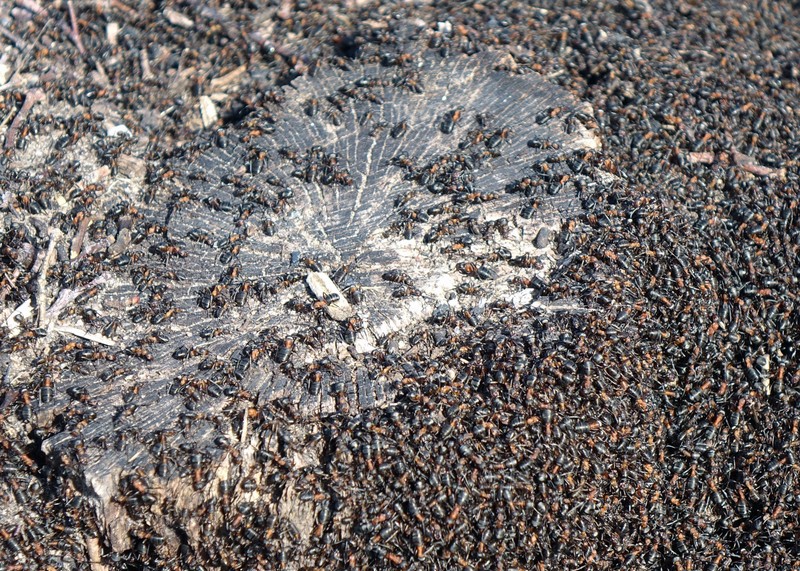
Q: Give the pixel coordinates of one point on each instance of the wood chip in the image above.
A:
(121, 243)
(208, 111)
(95, 553)
(116, 130)
(31, 6)
(323, 287)
(33, 97)
(230, 78)
(750, 165)
(5, 69)
(177, 19)
(742, 159)
(112, 33)
(147, 73)
(77, 240)
(705, 158)
(759, 170)
(132, 167)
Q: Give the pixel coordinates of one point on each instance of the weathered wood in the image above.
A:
(399, 184)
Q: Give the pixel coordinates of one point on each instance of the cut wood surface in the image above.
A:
(273, 263)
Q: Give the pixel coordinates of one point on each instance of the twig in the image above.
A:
(697, 157)
(66, 296)
(223, 81)
(5, 120)
(41, 282)
(759, 170)
(34, 7)
(243, 436)
(76, 35)
(18, 41)
(25, 57)
(95, 554)
(33, 96)
(31, 6)
(147, 73)
(119, 5)
(8, 284)
(101, 71)
(95, 337)
(80, 234)
(72, 31)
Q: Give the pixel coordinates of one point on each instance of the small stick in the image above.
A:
(76, 35)
(9, 282)
(147, 73)
(119, 5)
(95, 554)
(19, 42)
(41, 282)
(31, 6)
(37, 9)
(101, 71)
(244, 427)
(25, 58)
(95, 337)
(77, 241)
(31, 98)
(759, 170)
(66, 296)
